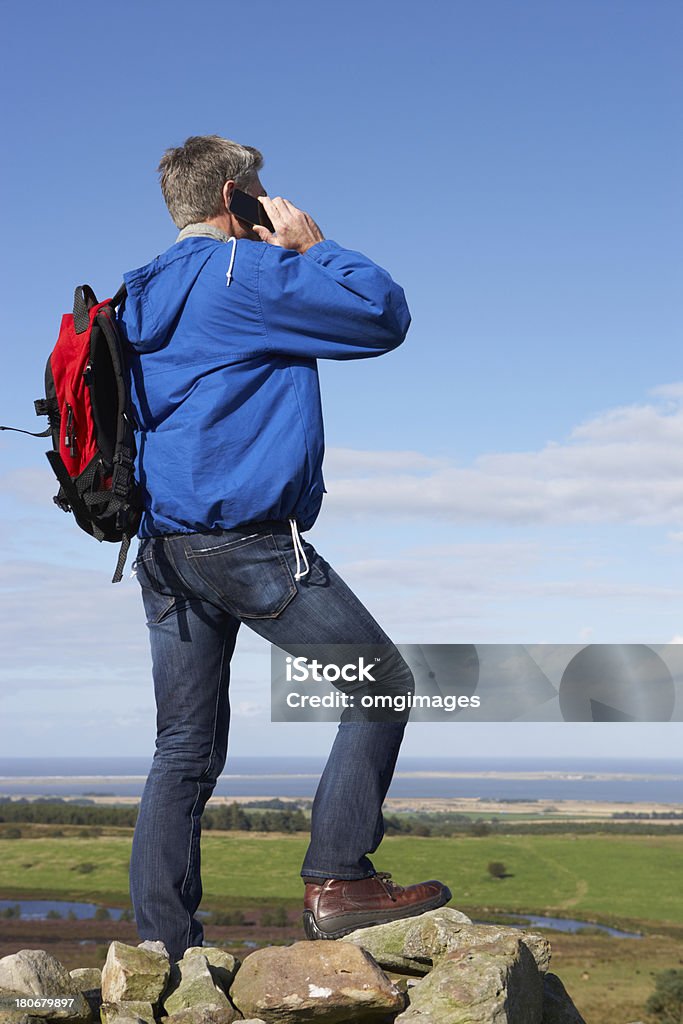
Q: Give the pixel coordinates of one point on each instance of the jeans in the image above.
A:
(197, 588)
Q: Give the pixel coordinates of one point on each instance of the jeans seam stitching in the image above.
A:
(165, 613)
(215, 709)
(189, 861)
(228, 546)
(199, 788)
(169, 554)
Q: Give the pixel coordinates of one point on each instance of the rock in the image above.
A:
(436, 942)
(192, 988)
(127, 1020)
(496, 983)
(539, 947)
(89, 981)
(134, 974)
(155, 946)
(222, 965)
(413, 945)
(202, 1015)
(17, 1017)
(314, 981)
(387, 942)
(127, 1010)
(35, 974)
(557, 1006)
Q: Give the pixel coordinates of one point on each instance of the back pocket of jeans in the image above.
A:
(250, 578)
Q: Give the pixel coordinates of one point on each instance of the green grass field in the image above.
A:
(623, 880)
(595, 877)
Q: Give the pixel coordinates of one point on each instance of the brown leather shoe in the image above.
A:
(337, 907)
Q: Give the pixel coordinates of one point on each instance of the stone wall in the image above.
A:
(437, 968)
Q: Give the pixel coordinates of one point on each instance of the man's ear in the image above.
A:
(228, 189)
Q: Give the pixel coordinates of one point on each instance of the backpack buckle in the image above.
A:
(122, 473)
(61, 502)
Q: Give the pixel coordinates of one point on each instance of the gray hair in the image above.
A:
(193, 175)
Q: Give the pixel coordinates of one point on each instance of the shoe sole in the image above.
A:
(363, 919)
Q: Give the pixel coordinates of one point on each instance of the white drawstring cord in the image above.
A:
(232, 262)
(298, 551)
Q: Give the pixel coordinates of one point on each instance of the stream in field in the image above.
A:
(38, 910)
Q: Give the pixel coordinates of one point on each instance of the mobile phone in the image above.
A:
(247, 208)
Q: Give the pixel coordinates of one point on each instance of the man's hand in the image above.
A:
(295, 229)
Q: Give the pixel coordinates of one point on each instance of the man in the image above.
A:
(224, 331)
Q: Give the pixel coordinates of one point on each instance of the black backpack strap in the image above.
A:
(43, 433)
(70, 495)
(123, 555)
(84, 300)
(120, 296)
(124, 450)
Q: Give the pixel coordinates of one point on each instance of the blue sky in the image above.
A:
(513, 473)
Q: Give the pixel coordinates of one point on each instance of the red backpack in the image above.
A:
(87, 403)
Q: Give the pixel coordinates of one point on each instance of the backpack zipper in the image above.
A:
(69, 434)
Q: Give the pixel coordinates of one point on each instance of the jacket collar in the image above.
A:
(201, 228)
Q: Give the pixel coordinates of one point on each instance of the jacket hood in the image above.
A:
(158, 291)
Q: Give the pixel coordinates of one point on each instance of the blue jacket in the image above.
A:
(224, 339)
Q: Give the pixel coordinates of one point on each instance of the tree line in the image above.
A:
(279, 816)
(229, 817)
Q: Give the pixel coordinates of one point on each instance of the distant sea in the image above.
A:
(618, 781)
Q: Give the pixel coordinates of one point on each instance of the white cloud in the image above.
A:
(674, 390)
(484, 576)
(621, 466)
